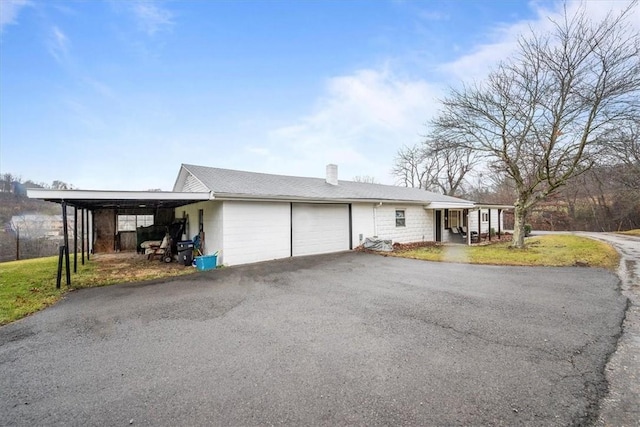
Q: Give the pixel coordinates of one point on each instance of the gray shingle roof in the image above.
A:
(233, 182)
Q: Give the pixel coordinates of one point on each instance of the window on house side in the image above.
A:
(400, 219)
(485, 217)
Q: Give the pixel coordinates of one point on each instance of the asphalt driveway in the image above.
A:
(344, 339)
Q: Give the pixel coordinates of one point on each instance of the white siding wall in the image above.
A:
(192, 184)
(495, 219)
(213, 220)
(213, 229)
(256, 231)
(484, 225)
(362, 222)
(418, 228)
(473, 221)
(187, 182)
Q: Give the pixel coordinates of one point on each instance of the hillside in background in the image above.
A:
(15, 205)
(16, 209)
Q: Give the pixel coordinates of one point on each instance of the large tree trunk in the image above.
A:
(519, 220)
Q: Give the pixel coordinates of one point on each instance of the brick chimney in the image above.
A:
(332, 174)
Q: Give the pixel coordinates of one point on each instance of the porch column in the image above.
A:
(499, 228)
(489, 230)
(468, 227)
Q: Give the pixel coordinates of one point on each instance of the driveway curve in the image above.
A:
(342, 339)
(621, 406)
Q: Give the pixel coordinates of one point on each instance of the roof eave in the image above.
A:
(45, 194)
(95, 200)
(450, 205)
(283, 198)
(490, 206)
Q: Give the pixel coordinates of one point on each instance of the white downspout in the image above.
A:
(375, 220)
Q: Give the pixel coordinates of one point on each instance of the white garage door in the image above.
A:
(319, 228)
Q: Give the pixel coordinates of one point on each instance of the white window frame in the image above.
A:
(131, 222)
(402, 218)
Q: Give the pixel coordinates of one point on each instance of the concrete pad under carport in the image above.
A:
(337, 339)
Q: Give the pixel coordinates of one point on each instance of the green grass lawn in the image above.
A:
(551, 250)
(635, 232)
(29, 285)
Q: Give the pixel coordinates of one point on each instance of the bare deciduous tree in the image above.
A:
(625, 152)
(434, 165)
(409, 167)
(6, 182)
(542, 116)
(61, 185)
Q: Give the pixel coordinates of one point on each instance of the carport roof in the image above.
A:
(92, 199)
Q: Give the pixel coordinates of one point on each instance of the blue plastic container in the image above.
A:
(206, 262)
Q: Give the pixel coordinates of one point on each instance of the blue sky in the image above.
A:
(117, 94)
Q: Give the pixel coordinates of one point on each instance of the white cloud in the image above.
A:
(151, 17)
(363, 118)
(359, 123)
(9, 10)
(477, 64)
(58, 44)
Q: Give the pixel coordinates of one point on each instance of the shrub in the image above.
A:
(527, 230)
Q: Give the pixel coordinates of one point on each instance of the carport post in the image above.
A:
(17, 243)
(75, 239)
(479, 224)
(65, 228)
(489, 224)
(89, 231)
(82, 234)
(59, 275)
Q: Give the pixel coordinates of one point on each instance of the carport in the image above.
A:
(99, 213)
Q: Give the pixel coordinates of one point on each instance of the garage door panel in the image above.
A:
(320, 228)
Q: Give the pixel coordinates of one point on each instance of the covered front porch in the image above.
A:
(471, 225)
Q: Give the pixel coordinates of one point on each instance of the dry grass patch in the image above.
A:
(426, 253)
(109, 269)
(635, 232)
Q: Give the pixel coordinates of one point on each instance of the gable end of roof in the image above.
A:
(188, 182)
